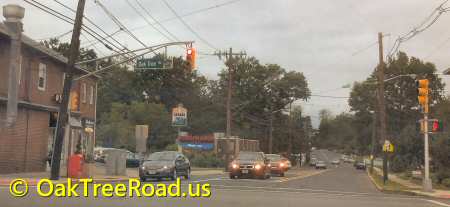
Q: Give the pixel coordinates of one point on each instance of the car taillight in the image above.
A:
(257, 166)
(234, 166)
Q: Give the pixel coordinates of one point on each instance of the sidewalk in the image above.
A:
(32, 178)
(414, 188)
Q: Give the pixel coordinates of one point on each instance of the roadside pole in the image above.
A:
(427, 184)
(381, 104)
(62, 116)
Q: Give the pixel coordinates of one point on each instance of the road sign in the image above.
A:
(388, 146)
(179, 116)
(152, 63)
(141, 138)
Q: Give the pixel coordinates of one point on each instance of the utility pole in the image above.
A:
(290, 130)
(63, 116)
(13, 15)
(381, 104)
(231, 63)
(374, 134)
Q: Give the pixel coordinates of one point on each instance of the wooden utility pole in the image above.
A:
(381, 103)
(231, 63)
(63, 109)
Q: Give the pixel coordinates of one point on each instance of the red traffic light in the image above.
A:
(436, 126)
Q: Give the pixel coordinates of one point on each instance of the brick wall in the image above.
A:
(23, 148)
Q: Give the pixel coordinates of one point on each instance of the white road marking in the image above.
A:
(437, 203)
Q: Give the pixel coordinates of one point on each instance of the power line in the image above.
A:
(192, 13)
(71, 21)
(95, 25)
(56, 37)
(323, 96)
(189, 27)
(118, 23)
(424, 25)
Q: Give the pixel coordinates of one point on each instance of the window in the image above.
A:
(83, 90)
(91, 95)
(42, 81)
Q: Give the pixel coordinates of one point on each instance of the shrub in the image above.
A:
(205, 160)
(446, 182)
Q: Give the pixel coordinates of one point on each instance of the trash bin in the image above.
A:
(115, 162)
(75, 169)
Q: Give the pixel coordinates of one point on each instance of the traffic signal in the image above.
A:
(422, 93)
(74, 101)
(190, 57)
(437, 126)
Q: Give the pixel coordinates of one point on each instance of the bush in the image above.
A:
(206, 160)
(446, 182)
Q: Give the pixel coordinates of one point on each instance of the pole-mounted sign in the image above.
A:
(179, 116)
(388, 147)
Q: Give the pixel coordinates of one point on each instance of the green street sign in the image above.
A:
(149, 63)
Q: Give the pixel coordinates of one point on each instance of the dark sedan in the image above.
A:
(166, 164)
(250, 164)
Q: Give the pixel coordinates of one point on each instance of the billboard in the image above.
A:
(179, 116)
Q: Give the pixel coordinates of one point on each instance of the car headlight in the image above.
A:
(234, 166)
(143, 168)
(258, 166)
(165, 167)
(281, 164)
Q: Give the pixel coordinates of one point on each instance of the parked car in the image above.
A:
(278, 164)
(250, 164)
(166, 164)
(312, 162)
(321, 165)
(336, 162)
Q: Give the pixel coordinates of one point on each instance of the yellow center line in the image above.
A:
(309, 174)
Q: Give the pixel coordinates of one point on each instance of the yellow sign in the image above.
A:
(388, 146)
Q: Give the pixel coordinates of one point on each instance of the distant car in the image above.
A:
(336, 162)
(133, 160)
(321, 165)
(278, 164)
(166, 164)
(250, 164)
(360, 165)
(312, 162)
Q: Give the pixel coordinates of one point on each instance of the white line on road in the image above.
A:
(437, 203)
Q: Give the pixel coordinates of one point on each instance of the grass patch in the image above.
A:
(390, 186)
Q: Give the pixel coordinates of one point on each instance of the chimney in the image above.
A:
(13, 20)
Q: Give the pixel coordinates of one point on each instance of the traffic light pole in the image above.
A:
(427, 184)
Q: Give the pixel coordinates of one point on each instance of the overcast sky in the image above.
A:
(317, 38)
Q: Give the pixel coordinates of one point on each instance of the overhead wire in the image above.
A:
(118, 22)
(424, 25)
(188, 26)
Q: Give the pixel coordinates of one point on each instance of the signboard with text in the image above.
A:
(179, 116)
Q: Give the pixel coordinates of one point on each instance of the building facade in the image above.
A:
(25, 146)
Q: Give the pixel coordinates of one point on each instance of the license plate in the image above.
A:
(244, 171)
(151, 172)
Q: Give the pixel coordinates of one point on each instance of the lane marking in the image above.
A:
(437, 203)
(303, 176)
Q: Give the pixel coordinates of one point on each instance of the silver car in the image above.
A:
(321, 165)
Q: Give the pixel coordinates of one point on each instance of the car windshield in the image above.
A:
(162, 156)
(249, 156)
(274, 158)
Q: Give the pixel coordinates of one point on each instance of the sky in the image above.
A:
(332, 42)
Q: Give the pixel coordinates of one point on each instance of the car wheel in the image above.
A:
(282, 174)
(142, 179)
(232, 176)
(188, 174)
(174, 174)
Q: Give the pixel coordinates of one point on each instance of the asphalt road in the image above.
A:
(341, 186)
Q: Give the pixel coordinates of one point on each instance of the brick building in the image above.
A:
(25, 146)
